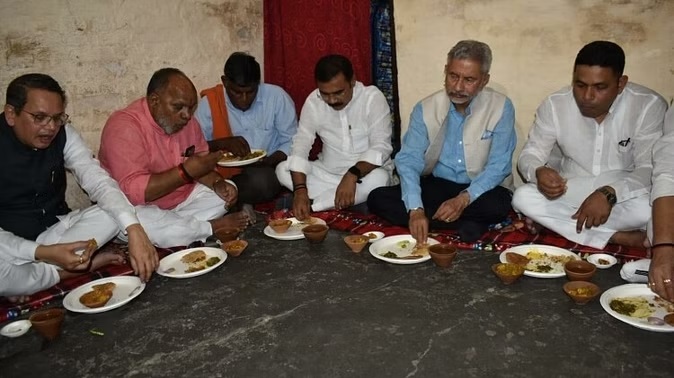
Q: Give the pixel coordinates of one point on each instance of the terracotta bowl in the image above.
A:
(356, 242)
(442, 254)
(280, 226)
(315, 233)
(234, 247)
(48, 322)
(578, 270)
(226, 234)
(508, 272)
(581, 291)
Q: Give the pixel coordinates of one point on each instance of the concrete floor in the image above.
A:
(291, 309)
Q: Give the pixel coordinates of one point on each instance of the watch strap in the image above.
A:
(610, 197)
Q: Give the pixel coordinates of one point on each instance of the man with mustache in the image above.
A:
(155, 149)
(455, 162)
(588, 158)
(354, 123)
(39, 234)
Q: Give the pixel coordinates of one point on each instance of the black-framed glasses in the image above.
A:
(44, 119)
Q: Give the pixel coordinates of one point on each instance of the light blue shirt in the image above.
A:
(452, 164)
(269, 124)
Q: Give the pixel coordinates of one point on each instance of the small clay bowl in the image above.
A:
(234, 247)
(48, 322)
(315, 233)
(280, 226)
(442, 254)
(356, 242)
(508, 272)
(581, 291)
(226, 234)
(579, 270)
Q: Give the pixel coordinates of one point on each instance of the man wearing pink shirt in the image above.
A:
(157, 153)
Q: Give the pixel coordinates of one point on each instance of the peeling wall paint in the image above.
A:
(103, 52)
(534, 44)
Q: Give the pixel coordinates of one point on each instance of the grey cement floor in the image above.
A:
(290, 309)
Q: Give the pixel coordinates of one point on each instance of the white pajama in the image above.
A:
(556, 214)
(184, 224)
(322, 185)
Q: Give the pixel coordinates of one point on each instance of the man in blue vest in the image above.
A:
(41, 240)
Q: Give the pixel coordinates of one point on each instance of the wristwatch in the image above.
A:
(356, 172)
(610, 197)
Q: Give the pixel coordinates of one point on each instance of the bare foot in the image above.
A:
(102, 259)
(532, 226)
(18, 299)
(238, 220)
(634, 238)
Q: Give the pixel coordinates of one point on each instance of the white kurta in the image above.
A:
(20, 274)
(359, 132)
(616, 152)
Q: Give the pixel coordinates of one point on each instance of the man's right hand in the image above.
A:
(301, 205)
(236, 145)
(418, 225)
(64, 255)
(550, 183)
(202, 163)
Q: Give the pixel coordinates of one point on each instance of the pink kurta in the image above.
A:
(134, 147)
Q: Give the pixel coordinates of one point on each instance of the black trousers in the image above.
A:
(491, 207)
(257, 183)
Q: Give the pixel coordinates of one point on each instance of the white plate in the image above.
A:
(16, 329)
(594, 259)
(294, 232)
(634, 290)
(380, 235)
(172, 261)
(128, 287)
(547, 249)
(391, 244)
(238, 163)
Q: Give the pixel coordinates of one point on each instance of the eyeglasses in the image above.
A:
(44, 119)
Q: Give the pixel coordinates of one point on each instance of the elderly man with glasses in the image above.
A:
(39, 234)
(354, 123)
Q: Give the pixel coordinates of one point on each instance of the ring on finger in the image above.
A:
(667, 280)
(652, 284)
(448, 220)
(81, 260)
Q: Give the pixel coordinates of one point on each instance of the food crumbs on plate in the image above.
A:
(96, 332)
(603, 262)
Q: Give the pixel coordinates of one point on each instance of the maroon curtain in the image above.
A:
(298, 32)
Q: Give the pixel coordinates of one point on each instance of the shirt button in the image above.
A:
(460, 142)
(459, 160)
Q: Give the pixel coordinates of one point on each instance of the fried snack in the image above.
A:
(109, 286)
(91, 247)
(421, 249)
(99, 296)
(194, 257)
(516, 258)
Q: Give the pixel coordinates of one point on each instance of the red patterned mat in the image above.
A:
(55, 293)
(499, 238)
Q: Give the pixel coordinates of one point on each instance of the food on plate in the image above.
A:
(372, 235)
(194, 257)
(106, 286)
(231, 157)
(389, 254)
(403, 244)
(420, 250)
(636, 307)
(542, 262)
(516, 258)
(663, 303)
(603, 262)
(212, 261)
(669, 319)
(98, 296)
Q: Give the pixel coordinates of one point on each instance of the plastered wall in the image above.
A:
(534, 43)
(103, 52)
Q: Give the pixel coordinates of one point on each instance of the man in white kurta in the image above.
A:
(354, 123)
(605, 129)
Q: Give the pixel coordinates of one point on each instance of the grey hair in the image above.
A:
(473, 50)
